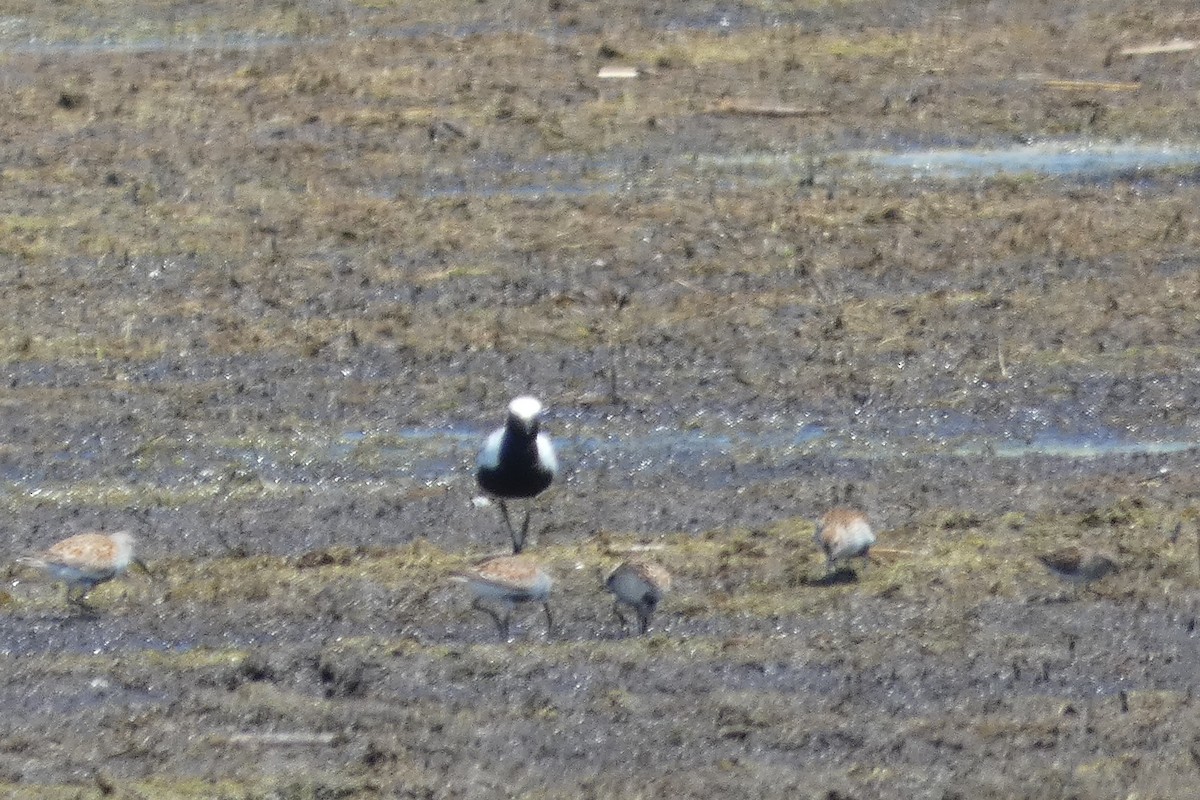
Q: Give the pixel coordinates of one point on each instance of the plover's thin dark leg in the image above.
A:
(517, 542)
(643, 619)
(525, 525)
(549, 620)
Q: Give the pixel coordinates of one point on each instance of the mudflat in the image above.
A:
(270, 272)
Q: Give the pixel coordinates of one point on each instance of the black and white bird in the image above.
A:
(517, 462)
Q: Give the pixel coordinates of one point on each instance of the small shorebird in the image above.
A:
(517, 462)
(86, 560)
(1078, 565)
(508, 580)
(844, 532)
(640, 585)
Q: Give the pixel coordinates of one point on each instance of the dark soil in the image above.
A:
(271, 271)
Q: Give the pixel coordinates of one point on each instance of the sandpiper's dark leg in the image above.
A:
(549, 620)
(643, 620)
(504, 624)
(501, 622)
(621, 618)
(75, 599)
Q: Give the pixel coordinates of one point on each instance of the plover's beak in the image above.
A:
(527, 425)
(137, 562)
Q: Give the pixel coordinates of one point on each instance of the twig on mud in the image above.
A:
(1173, 46)
(892, 551)
(634, 548)
(276, 738)
(616, 347)
(618, 72)
(1090, 86)
(751, 110)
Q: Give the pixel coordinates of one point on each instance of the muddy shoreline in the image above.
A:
(271, 272)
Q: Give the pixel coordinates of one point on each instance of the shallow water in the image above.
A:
(705, 457)
(1080, 159)
(1064, 159)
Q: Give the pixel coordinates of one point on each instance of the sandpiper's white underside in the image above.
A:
(538, 590)
(851, 540)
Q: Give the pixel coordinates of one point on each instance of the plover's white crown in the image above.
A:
(525, 407)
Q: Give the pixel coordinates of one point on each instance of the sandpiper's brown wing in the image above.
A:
(506, 572)
(82, 551)
(836, 519)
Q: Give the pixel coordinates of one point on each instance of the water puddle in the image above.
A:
(1078, 446)
(532, 191)
(188, 44)
(1066, 159)
(111, 33)
(721, 453)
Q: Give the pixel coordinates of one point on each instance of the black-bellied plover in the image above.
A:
(517, 462)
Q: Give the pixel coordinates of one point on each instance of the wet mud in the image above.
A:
(271, 271)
